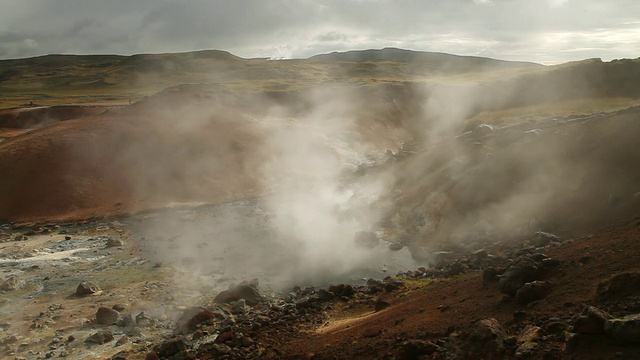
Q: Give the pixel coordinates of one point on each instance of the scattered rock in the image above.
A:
(455, 268)
(347, 291)
(119, 307)
(626, 329)
(394, 246)
(591, 321)
(478, 257)
(620, 286)
(21, 237)
(101, 337)
(554, 327)
(87, 288)
(487, 329)
(126, 320)
(413, 349)
(112, 242)
(484, 340)
(224, 297)
(248, 292)
(325, 295)
(541, 238)
(530, 333)
(532, 291)
(224, 337)
(144, 320)
(336, 289)
(123, 340)
(238, 307)
(106, 316)
(172, 347)
(524, 270)
(365, 239)
(194, 317)
(490, 275)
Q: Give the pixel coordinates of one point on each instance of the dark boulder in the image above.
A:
(87, 288)
(524, 270)
(101, 337)
(591, 321)
(532, 291)
(107, 316)
(620, 286)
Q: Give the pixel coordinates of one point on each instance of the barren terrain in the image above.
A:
(377, 204)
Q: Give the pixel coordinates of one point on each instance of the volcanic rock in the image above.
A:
(101, 337)
(620, 286)
(87, 288)
(238, 307)
(123, 340)
(106, 316)
(336, 289)
(541, 238)
(193, 317)
(591, 321)
(455, 268)
(112, 242)
(519, 273)
(144, 320)
(484, 340)
(489, 275)
(21, 237)
(247, 292)
(394, 246)
(224, 337)
(171, 347)
(554, 327)
(487, 330)
(324, 295)
(626, 329)
(347, 291)
(413, 349)
(478, 257)
(224, 297)
(532, 291)
(529, 333)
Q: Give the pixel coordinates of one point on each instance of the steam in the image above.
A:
(313, 199)
(424, 165)
(317, 202)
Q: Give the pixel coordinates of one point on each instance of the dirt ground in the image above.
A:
(43, 317)
(68, 223)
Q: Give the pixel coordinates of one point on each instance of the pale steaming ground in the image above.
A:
(212, 247)
(413, 167)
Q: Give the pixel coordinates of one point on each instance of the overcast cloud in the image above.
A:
(546, 31)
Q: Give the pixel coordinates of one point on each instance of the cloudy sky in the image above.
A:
(546, 31)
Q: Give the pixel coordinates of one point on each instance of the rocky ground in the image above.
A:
(94, 290)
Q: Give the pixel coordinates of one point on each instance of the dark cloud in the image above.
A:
(545, 30)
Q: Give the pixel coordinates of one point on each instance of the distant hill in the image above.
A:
(394, 54)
